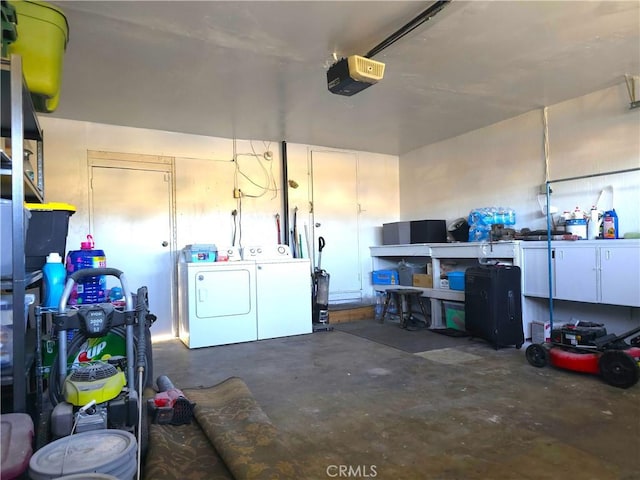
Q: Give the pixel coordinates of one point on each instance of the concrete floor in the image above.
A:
(460, 412)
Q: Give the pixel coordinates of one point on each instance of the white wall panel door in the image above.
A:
(131, 221)
(335, 217)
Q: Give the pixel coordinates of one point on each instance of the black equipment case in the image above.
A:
(493, 305)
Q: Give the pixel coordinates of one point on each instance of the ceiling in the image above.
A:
(257, 70)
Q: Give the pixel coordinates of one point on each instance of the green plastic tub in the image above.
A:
(42, 36)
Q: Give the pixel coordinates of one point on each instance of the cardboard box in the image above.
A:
(422, 280)
(540, 332)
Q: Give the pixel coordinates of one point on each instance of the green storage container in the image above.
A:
(454, 315)
(43, 33)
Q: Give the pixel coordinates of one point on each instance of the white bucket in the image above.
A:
(108, 452)
(577, 227)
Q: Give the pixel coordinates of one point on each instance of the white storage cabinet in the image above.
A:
(599, 271)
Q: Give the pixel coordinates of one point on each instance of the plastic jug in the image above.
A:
(54, 280)
(595, 221)
(610, 224)
(91, 289)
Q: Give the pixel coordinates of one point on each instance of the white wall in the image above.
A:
(205, 176)
(504, 164)
(500, 165)
(378, 198)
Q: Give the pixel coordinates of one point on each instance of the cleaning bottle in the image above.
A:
(593, 227)
(54, 279)
(610, 224)
(88, 289)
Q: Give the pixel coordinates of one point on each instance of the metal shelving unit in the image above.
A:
(19, 122)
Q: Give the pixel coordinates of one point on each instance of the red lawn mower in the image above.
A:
(586, 347)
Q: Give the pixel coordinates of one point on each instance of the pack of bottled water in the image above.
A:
(481, 219)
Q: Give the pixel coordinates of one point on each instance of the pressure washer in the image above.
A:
(100, 393)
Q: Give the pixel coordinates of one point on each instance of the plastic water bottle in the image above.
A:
(379, 305)
(54, 279)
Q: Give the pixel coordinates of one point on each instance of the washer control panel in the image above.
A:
(269, 252)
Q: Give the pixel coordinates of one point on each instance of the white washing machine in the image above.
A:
(217, 303)
(283, 297)
(283, 286)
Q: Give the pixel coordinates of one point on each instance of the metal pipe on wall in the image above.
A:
(285, 193)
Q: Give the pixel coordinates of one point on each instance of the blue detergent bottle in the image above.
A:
(54, 279)
(89, 289)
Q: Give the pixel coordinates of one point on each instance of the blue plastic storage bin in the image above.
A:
(384, 277)
(456, 280)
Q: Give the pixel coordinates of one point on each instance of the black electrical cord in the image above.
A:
(408, 28)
